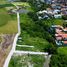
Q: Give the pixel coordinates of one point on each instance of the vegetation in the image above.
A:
(58, 61)
(3, 1)
(0, 39)
(64, 17)
(26, 60)
(38, 43)
(62, 50)
(8, 23)
(25, 4)
(38, 5)
(6, 5)
(36, 32)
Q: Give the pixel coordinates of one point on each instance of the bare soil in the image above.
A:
(5, 47)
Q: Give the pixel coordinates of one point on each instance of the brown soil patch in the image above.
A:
(5, 47)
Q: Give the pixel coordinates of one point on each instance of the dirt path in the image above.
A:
(47, 61)
(14, 42)
(5, 47)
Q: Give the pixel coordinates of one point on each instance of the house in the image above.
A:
(64, 12)
(61, 38)
(48, 1)
(62, 1)
(65, 43)
(57, 16)
(43, 14)
(57, 26)
(60, 35)
(56, 11)
(56, 6)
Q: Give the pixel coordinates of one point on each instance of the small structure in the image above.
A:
(57, 16)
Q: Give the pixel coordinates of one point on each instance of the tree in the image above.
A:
(64, 17)
(33, 15)
(58, 60)
(51, 49)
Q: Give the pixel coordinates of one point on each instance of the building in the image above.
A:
(48, 1)
(62, 1)
(60, 35)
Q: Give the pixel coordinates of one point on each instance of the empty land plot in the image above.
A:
(8, 22)
(3, 1)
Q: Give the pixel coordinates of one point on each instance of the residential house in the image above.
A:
(43, 14)
(60, 35)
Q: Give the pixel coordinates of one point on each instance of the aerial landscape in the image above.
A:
(33, 33)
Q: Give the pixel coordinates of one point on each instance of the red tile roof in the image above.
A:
(58, 38)
(61, 35)
(64, 35)
(65, 42)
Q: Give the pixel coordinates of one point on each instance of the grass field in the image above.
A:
(8, 23)
(3, 1)
(24, 5)
(28, 25)
(38, 43)
(27, 61)
(62, 50)
(21, 3)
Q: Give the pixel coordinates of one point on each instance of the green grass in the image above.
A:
(50, 22)
(33, 33)
(35, 60)
(62, 50)
(6, 5)
(25, 4)
(38, 43)
(3, 1)
(8, 23)
(0, 39)
(58, 21)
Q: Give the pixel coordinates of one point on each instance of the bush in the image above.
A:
(33, 16)
(64, 17)
(51, 49)
(58, 61)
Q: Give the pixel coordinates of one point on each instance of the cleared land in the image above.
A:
(8, 23)
(5, 47)
(8, 29)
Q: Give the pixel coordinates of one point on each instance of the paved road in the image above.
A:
(25, 46)
(14, 43)
(47, 61)
(31, 52)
